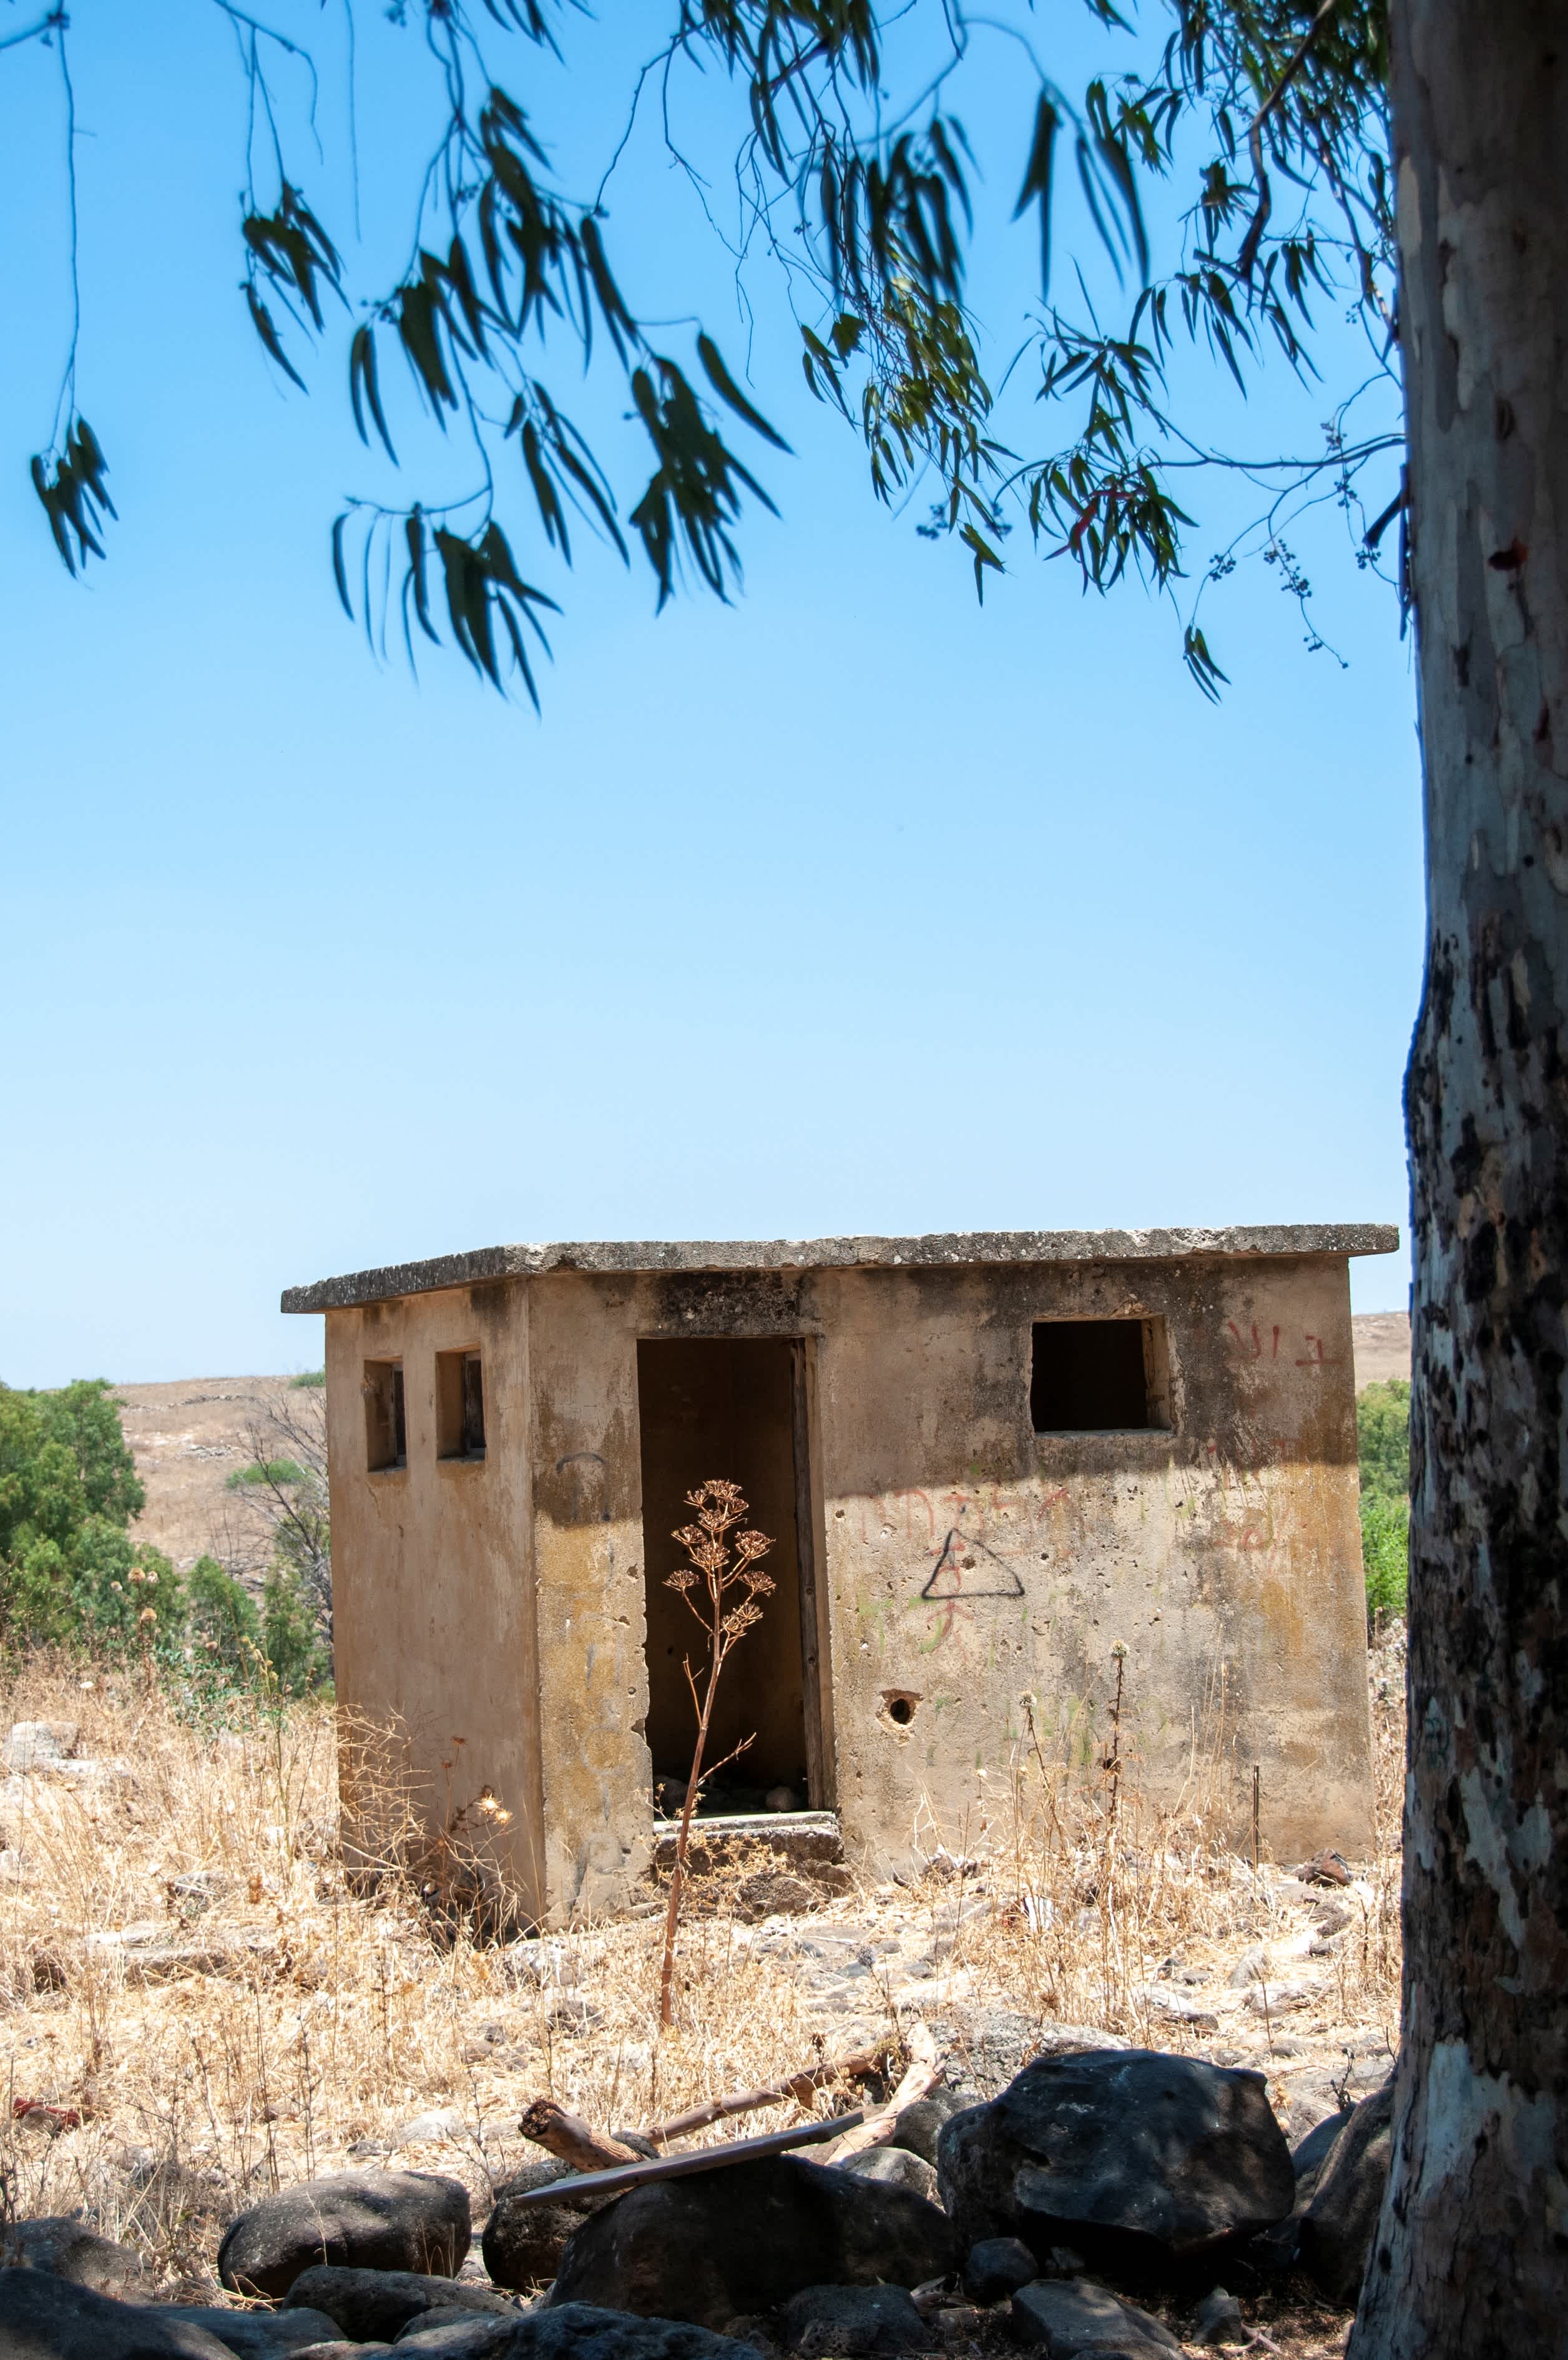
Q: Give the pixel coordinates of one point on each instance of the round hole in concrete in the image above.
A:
(898, 1707)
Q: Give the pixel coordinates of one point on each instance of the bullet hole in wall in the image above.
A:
(898, 1707)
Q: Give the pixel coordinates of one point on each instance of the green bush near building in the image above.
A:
(72, 1575)
(1383, 1444)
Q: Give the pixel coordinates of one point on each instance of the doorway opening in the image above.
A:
(734, 1408)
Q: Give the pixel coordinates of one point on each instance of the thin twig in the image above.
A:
(1247, 258)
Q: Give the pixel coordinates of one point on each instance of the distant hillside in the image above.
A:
(1382, 1343)
(188, 1438)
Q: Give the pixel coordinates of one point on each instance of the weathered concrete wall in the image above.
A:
(434, 1591)
(1223, 1554)
(964, 1562)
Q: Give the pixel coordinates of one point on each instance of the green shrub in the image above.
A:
(1382, 1443)
(69, 1571)
(290, 1636)
(267, 1471)
(308, 1377)
(224, 1626)
(1385, 1555)
(1383, 1437)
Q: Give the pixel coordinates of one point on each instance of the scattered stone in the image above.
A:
(258, 2334)
(39, 1744)
(991, 2046)
(523, 2244)
(1273, 1999)
(455, 2335)
(918, 2127)
(894, 2167)
(1065, 2321)
(1179, 2008)
(368, 2303)
(1328, 1868)
(339, 2349)
(68, 2249)
(997, 2268)
(437, 2123)
(1219, 2319)
(1136, 2158)
(365, 2220)
(1341, 2220)
(46, 2318)
(194, 1894)
(776, 1893)
(569, 2012)
(747, 2237)
(579, 2331)
(853, 2321)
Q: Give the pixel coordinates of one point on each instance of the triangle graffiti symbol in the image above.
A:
(967, 1569)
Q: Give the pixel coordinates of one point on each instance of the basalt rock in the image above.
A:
(46, 2318)
(853, 2324)
(894, 2167)
(258, 2334)
(744, 2238)
(1139, 2161)
(68, 2249)
(359, 2220)
(1075, 2319)
(523, 2244)
(370, 2305)
(1339, 2224)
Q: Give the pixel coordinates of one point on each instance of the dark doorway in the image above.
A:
(707, 1408)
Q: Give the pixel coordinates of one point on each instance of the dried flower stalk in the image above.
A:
(719, 1568)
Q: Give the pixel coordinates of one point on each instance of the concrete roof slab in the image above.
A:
(940, 1250)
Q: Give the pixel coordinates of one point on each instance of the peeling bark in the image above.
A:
(1471, 2256)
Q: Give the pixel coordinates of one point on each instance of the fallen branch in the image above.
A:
(563, 2135)
(924, 2072)
(801, 2087)
(680, 2167)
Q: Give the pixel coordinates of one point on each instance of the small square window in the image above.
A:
(1098, 1376)
(459, 1405)
(386, 1428)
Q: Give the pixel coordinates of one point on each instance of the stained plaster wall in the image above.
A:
(972, 1563)
(963, 1562)
(434, 1624)
(1223, 1554)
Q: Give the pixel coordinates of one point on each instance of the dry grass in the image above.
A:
(319, 2018)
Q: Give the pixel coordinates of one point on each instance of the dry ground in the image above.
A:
(172, 2049)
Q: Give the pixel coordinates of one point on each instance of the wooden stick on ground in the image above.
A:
(875, 2130)
(801, 2087)
(551, 2126)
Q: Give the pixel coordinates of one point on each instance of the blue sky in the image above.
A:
(850, 907)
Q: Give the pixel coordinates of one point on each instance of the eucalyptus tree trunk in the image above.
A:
(1471, 2256)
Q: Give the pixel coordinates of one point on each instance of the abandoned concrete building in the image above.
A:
(987, 1462)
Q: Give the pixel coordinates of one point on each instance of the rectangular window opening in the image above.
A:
(386, 1429)
(459, 1405)
(1099, 1376)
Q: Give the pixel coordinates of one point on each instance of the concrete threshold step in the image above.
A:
(800, 1837)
